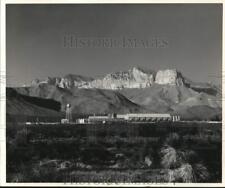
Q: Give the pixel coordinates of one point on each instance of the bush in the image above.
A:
(201, 172)
(183, 174)
(168, 157)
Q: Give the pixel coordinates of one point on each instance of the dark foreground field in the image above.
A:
(160, 152)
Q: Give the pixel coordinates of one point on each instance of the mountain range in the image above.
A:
(136, 90)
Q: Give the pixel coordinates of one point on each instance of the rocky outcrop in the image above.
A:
(133, 78)
(170, 77)
(69, 81)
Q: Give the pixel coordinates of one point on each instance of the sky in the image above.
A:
(186, 37)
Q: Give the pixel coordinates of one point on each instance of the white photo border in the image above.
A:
(3, 94)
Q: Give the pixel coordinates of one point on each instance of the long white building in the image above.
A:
(137, 117)
(149, 117)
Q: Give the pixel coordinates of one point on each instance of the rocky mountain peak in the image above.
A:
(135, 77)
(169, 77)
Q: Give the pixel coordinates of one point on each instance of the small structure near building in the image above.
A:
(64, 121)
(176, 118)
(98, 119)
(82, 121)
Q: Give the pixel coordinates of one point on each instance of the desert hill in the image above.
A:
(84, 101)
(18, 104)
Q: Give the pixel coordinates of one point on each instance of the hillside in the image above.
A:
(18, 104)
(170, 96)
(86, 101)
(182, 100)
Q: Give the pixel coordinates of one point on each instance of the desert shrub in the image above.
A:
(201, 172)
(168, 157)
(185, 172)
(184, 166)
(182, 174)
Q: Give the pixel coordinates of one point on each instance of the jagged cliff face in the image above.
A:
(171, 77)
(69, 81)
(133, 78)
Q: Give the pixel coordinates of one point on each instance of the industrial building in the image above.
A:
(105, 118)
(140, 117)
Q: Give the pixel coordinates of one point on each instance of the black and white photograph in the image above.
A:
(113, 93)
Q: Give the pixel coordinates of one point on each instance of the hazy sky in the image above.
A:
(35, 35)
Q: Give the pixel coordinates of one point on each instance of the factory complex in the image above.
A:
(129, 117)
(132, 117)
